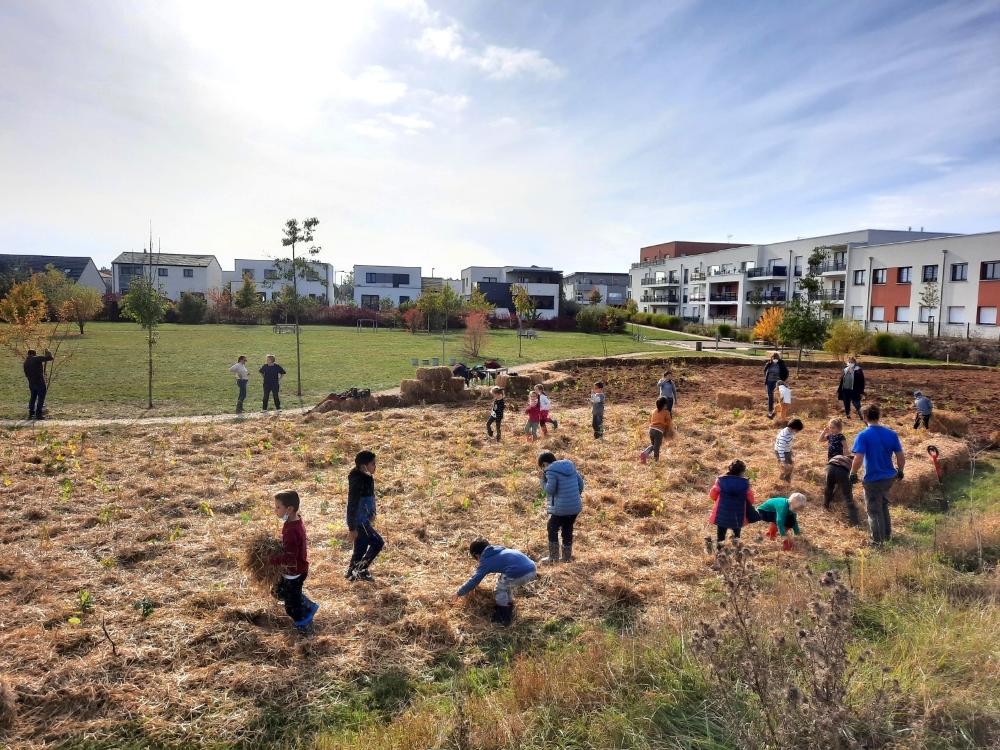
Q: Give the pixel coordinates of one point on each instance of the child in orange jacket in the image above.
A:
(661, 425)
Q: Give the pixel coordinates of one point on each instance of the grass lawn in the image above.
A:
(653, 332)
(107, 373)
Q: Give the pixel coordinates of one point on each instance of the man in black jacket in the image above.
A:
(34, 371)
(271, 372)
(775, 369)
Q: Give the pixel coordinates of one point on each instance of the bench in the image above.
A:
(526, 333)
(284, 328)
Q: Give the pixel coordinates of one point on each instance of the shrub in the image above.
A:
(191, 308)
(477, 330)
(600, 319)
(847, 337)
(725, 330)
(766, 327)
(891, 345)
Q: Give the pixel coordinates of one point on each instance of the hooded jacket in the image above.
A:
(360, 498)
(563, 485)
(498, 559)
(733, 502)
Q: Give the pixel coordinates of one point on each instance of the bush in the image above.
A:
(725, 330)
(890, 345)
(191, 308)
(559, 323)
(847, 337)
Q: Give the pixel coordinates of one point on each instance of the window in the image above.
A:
(161, 271)
(393, 279)
(878, 314)
(188, 273)
(403, 298)
(926, 313)
(959, 271)
(903, 274)
(859, 278)
(930, 273)
(544, 303)
(490, 279)
(857, 312)
(878, 275)
(247, 272)
(987, 316)
(270, 273)
(369, 301)
(902, 314)
(990, 271)
(956, 314)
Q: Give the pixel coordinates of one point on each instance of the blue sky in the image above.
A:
(564, 133)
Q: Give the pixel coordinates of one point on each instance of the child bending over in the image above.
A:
(782, 514)
(515, 569)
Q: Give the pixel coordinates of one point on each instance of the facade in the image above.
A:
(398, 283)
(437, 282)
(82, 270)
(174, 273)
(886, 284)
(736, 285)
(319, 283)
(678, 248)
(613, 287)
(496, 282)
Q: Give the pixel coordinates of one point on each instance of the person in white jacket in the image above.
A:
(242, 376)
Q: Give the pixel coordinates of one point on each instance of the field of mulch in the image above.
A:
(125, 612)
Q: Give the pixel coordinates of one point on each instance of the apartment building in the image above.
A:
(581, 285)
(888, 284)
(497, 282)
(80, 269)
(319, 281)
(397, 283)
(737, 284)
(173, 273)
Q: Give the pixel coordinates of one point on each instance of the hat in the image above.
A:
(917, 393)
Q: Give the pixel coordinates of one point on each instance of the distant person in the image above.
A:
(242, 376)
(515, 569)
(34, 371)
(597, 399)
(783, 448)
(775, 370)
(733, 507)
(924, 409)
(544, 407)
(661, 425)
(875, 447)
(496, 412)
(668, 390)
(272, 372)
(851, 387)
(563, 488)
(361, 511)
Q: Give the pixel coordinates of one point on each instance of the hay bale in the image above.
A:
(257, 560)
(8, 705)
(949, 423)
(388, 400)
(517, 385)
(733, 400)
(995, 439)
(412, 389)
(325, 406)
(455, 385)
(433, 374)
(811, 407)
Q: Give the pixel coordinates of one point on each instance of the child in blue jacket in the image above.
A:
(733, 503)
(360, 514)
(515, 569)
(562, 485)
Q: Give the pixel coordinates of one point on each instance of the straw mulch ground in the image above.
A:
(144, 530)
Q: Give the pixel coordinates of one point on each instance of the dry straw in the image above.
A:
(257, 563)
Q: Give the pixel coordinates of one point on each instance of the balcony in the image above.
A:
(774, 272)
(724, 272)
(653, 281)
(832, 267)
(765, 298)
(660, 299)
(696, 276)
(697, 297)
(723, 297)
(831, 295)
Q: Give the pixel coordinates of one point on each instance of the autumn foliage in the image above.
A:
(766, 327)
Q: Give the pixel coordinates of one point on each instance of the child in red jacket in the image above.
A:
(534, 412)
(294, 558)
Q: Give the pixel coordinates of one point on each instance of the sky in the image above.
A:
(564, 133)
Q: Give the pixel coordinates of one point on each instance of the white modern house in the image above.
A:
(174, 273)
(496, 282)
(398, 283)
(580, 286)
(80, 269)
(319, 281)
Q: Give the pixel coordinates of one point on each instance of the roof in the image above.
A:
(71, 266)
(569, 276)
(166, 259)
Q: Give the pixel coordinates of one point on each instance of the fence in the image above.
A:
(937, 330)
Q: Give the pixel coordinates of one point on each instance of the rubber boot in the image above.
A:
(503, 615)
(567, 553)
(553, 556)
(772, 531)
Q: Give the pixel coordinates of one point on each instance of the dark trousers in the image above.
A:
(289, 590)
(563, 524)
(242, 386)
(489, 426)
(925, 418)
(877, 506)
(850, 401)
(597, 422)
(367, 545)
(37, 400)
(271, 390)
(838, 479)
(720, 533)
(770, 396)
(670, 405)
(655, 441)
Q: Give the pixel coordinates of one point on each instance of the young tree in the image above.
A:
(767, 326)
(595, 297)
(803, 325)
(847, 337)
(524, 304)
(25, 311)
(930, 298)
(477, 301)
(477, 331)
(55, 286)
(431, 305)
(82, 305)
(413, 319)
(344, 293)
(631, 307)
(246, 298)
(191, 308)
(144, 304)
(294, 268)
(386, 305)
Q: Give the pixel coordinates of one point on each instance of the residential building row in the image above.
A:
(875, 276)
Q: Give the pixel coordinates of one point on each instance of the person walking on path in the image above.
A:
(775, 370)
(851, 387)
(272, 372)
(242, 376)
(875, 446)
(34, 371)
(668, 390)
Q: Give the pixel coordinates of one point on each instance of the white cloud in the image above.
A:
(409, 123)
(387, 126)
(374, 85)
(445, 42)
(452, 103)
(508, 62)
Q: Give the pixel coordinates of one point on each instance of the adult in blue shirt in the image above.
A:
(875, 446)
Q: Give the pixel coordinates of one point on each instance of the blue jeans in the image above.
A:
(242, 385)
(770, 396)
(37, 400)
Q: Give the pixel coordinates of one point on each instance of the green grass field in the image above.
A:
(106, 374)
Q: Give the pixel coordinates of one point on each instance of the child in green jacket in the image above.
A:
(782, 514)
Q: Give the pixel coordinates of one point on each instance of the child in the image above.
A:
(295, 560)
(838, 476)
(515, 569)
(496, 413)
(597, 409)
(534, 415)
(668, 391)
(733, 502)
(782, 514)
(360, 513)
(783, 448)
(661, 425)
(834, 436)
(544, 405)
(563, 486)
(784, 400)
(924, 408)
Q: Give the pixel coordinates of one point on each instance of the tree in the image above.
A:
(386, 304)
(292, 269)
(930, 298)
(246, 298)
(525, 304)
(803, 325)
(430, 304)
(191, 308)
(595, 297)
(413, 319)
(82, 305)
(55, 286)
(767, 326)
(344, 291)
(477, 302)
(631, 307)
(144, 304)
(25, 311)
(477, 331)
(847, 337)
